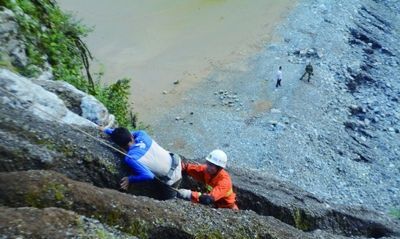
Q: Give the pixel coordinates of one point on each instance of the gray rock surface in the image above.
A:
(96, 112)
(269, 196)
(52, 222)
(141, 216)
(337, 136)
(25, 95)
(11, 44)
(30, 142)
(77, 101)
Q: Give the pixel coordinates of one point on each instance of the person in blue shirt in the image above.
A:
(148, 161)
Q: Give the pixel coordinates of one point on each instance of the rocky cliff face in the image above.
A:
(56, 182)
(31, 140)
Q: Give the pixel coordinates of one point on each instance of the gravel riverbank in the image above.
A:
(337, 136)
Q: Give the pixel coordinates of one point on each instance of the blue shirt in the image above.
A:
(142, 143)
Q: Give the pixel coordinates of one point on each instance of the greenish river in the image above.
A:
(156, 42)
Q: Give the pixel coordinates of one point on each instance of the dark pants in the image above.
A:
(278, 82)
(156, 189)
(168, 192)
(309, 76)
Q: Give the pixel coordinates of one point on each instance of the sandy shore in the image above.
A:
(158, 42)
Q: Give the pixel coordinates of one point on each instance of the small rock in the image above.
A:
(273, 110)
(273, 122)
(176, 82)
(165, 92)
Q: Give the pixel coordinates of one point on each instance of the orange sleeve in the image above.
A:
(221, 190)
(196, 171)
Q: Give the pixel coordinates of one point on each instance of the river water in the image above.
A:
(158, 42)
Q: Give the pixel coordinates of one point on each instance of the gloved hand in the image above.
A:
(206, 199)
(185, 194)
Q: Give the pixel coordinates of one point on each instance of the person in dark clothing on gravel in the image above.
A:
(309, 70)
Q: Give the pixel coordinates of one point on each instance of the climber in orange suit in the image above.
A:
(218, 182)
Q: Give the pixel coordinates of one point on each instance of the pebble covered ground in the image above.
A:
(336, 136)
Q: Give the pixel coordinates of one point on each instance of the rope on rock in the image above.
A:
(82, 131)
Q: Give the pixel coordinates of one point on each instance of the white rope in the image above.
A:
(80, 130)
(72, 126)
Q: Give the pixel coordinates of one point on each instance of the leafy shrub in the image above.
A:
(395, 213)
(54, 37)
(115, 98)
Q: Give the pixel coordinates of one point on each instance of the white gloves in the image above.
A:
(185, 194)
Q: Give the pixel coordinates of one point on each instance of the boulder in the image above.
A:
(32, 142)
(140, 216)
(20, 93)
(78, 102)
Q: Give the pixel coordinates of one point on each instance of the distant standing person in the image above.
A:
(279, 77)
(309, 70)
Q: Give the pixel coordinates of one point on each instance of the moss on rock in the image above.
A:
(301, 220)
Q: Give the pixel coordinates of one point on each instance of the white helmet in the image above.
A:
(217, 157)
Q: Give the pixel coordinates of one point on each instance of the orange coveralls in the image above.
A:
(218, 186)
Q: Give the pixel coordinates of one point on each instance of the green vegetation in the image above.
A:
(302, 221)
(32, 199)
(138, 228)
(6, 63)
(102, 233)
(54, 37)
(58, 190)
(395, 213)
(115, 98)
(36, 198)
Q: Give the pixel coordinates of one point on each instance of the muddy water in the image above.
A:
(160, 41)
